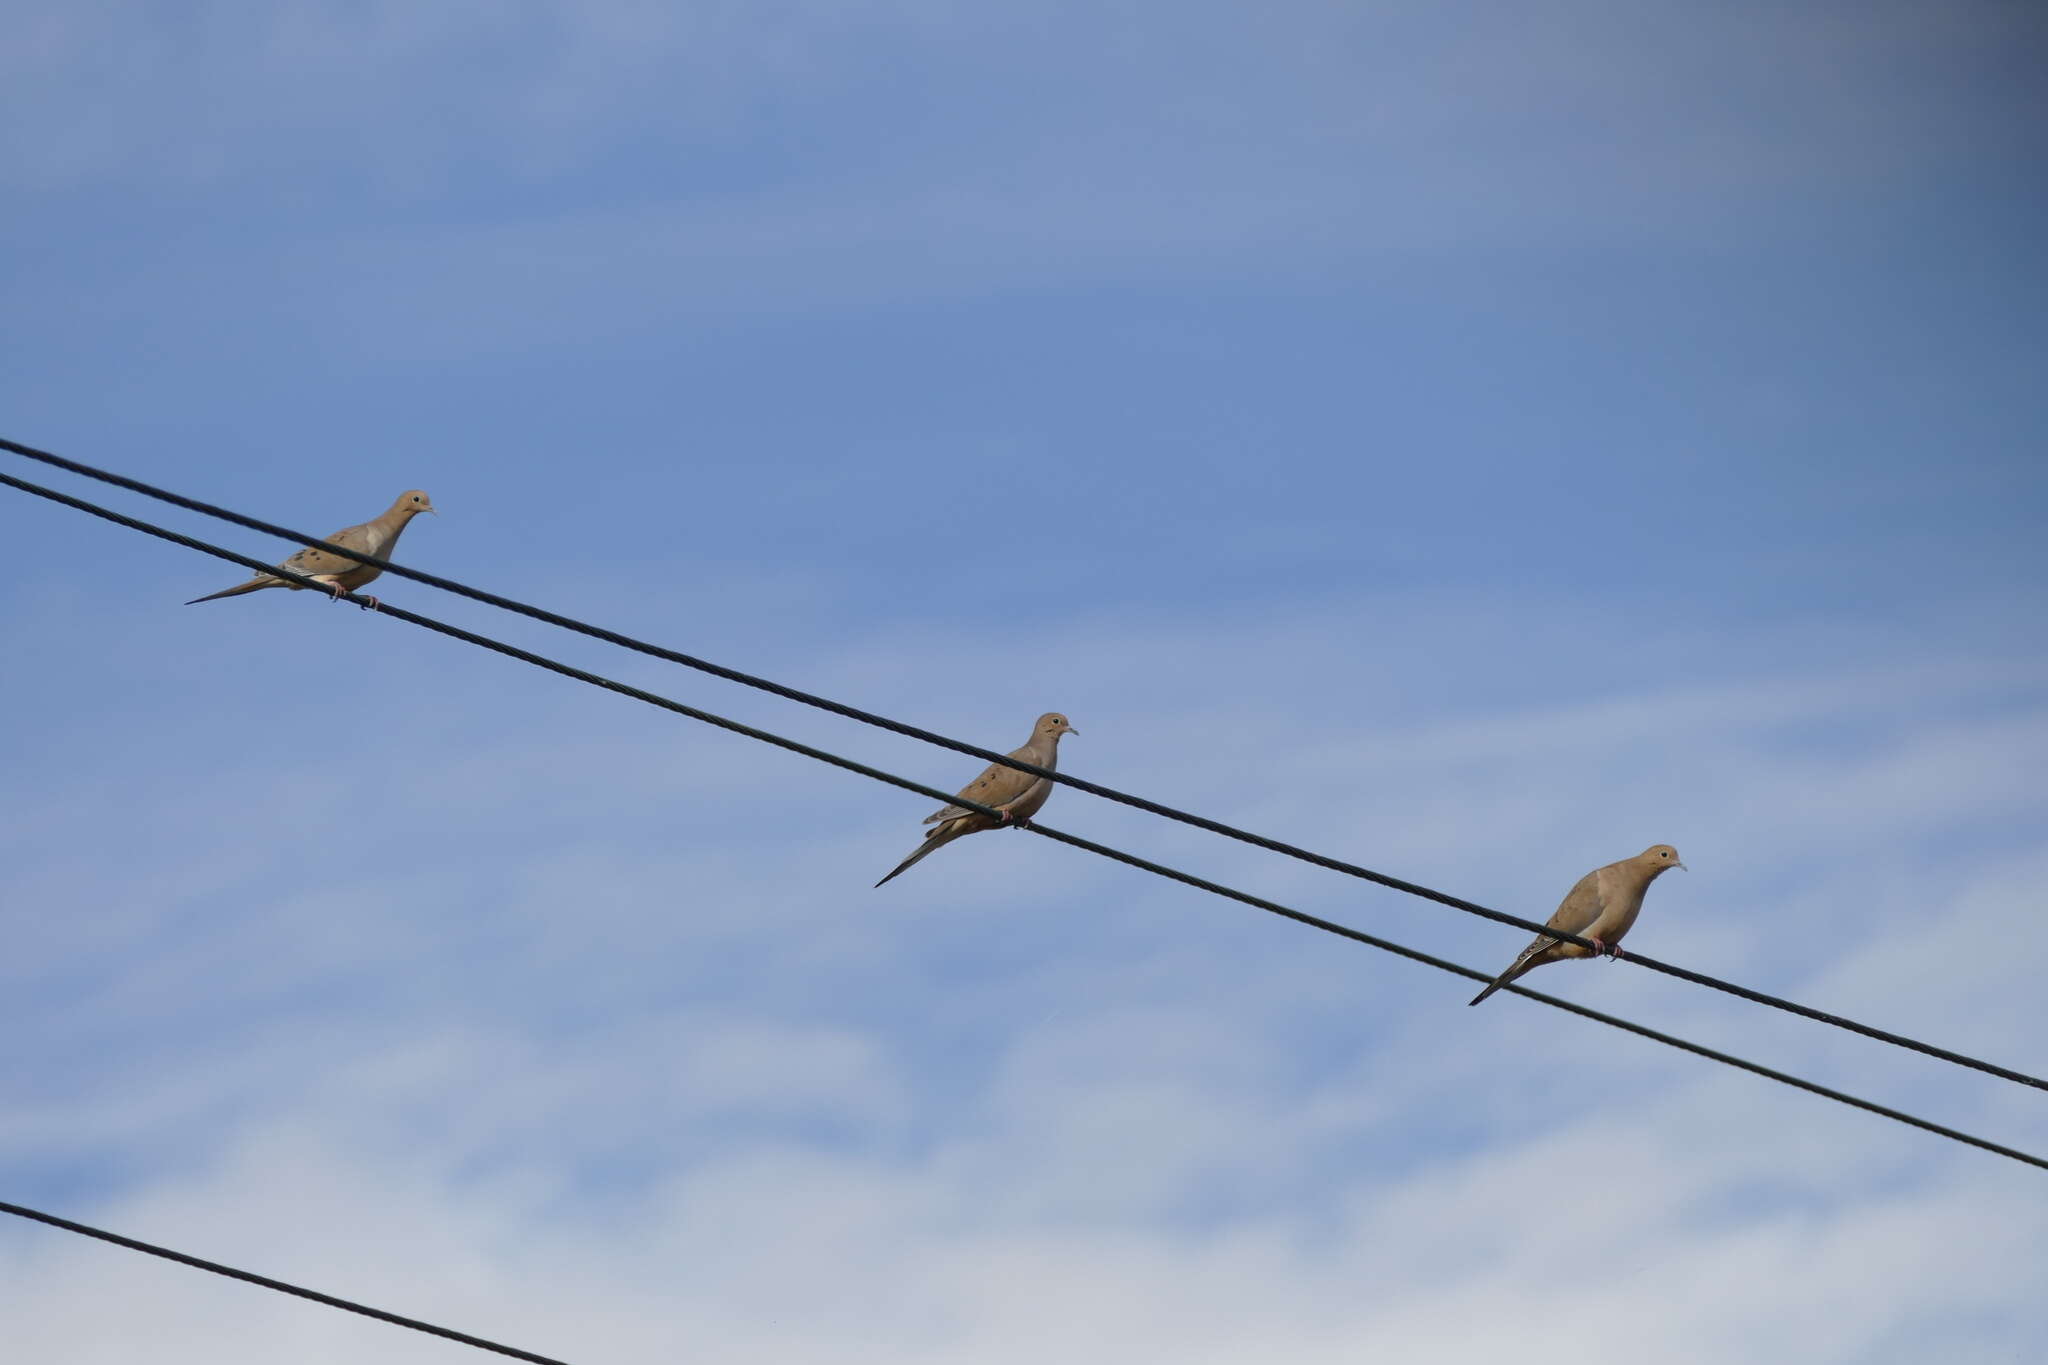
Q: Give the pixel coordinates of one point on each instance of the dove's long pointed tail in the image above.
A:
(1526, 961)
(940, 836)
(1492, 986)
(920, 851)
(251, 586)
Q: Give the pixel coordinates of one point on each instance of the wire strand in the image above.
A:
(1058, 836)
(281, 1286)
(990, 756)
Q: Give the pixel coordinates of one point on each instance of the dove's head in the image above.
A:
(1658, 857)
(412, 502)
(1052, 725)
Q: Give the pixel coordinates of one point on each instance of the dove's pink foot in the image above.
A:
(369, 603)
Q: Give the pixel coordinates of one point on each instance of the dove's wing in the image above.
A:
(1579, 911)
(997, 786)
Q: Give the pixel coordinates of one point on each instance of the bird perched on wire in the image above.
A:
(335, 572)
(1601, 907)
(1017, 795)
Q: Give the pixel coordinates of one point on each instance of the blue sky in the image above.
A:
(1475, 442)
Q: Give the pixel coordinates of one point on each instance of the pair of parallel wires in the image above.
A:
(892, 779)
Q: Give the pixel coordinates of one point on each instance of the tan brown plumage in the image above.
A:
(337, 573)
(1601, 906)
(1017, 794)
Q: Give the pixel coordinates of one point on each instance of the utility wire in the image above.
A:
(990, 756)
(1058, 836)
(280, 1286)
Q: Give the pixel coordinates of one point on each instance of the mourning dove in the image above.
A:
(1018, 795)
(1601, 907)
(336, 573)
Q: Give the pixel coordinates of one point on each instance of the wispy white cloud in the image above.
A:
(601, 1071)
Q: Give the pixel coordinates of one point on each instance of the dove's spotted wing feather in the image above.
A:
(312, 563)
(1581, 908)
(372, 538)
(997, 786)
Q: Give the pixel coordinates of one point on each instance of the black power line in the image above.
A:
(1058, 836)
(280, 1286)
(990, 756)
